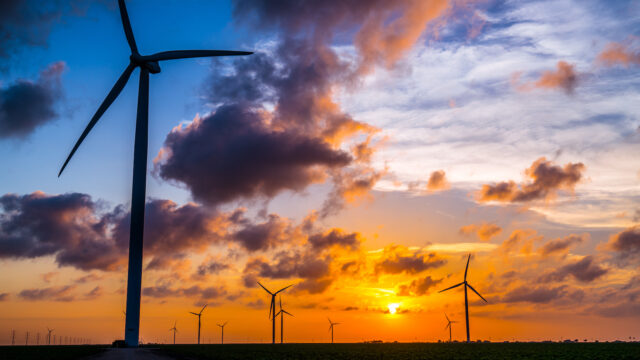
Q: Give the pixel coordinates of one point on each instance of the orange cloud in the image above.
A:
(437, 181)
(564, 77)
(618, 54)
(561, 246)
(545, 181)
(484, 231)
(626, 245)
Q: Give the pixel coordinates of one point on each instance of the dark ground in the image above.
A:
(492, 351)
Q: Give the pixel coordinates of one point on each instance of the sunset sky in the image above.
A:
(362, 152)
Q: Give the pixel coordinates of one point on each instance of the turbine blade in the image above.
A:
(467, 268)
(272, 306)
(477, 293)
(186, 54)
(225, 323)
(191, 312)
(113, 94)
(127, 26)
(449, 288)
(280, 302)
(329, 320)
(446, 327)
(265, 289)
(284, 288)
(205, 305)
(286, 312)
(445, 315)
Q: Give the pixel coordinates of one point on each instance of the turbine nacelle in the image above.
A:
(144, 62)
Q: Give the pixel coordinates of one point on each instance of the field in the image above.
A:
(61, 352)
(493, 351)
(488, 351)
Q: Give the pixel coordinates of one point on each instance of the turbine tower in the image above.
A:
(272, 309)
(331, 328)
(466, 300)
(49, 336)
(147, 64)
(222, 329)
(449, 322)
(281, 313)
(199, 315)
(175, 330)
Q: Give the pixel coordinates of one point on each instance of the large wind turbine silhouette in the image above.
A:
(49, 336)
(466, 301)
(175, 330)
(281, 313)
(331, 328)
(449, 322)
(272, 309)
(199, 315)
(147, 64)
(222, 329)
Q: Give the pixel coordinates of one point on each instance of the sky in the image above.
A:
(362, 153)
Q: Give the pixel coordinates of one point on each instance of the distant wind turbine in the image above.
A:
(449, 322)
(13, 337)
(175, 330)
(37, 338)
(281, 313)
(199, 315)
(331, 328)
(272, 309)
(466, 301)
(26, 342)
(222, 330)
(147, 64)
(49, 336)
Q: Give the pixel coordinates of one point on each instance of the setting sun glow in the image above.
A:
(393, 308)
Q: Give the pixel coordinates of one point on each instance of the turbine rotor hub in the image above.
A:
(139, 60)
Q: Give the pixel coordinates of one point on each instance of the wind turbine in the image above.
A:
(466, 301)
(199, 315)
(272, 309)
(175, 330)
(449, 322)
(26, 342)
(49, 336)
(147, 64)
(13, 337)
(331, 328)
(222, 329)
(281, 313)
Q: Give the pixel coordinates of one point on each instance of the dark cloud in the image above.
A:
(88, 278)
(562, 245)
(26, 105)
(4, 296)
(54, 293)
(418, 287)
(625, 246)
(64, 225)
(239, 156)
(95, 293)
(535, 294)
(262, 236)
(195, 292)
(584, 270)
(545, 181)
(335, 237)
(211, 266)
(396, 260)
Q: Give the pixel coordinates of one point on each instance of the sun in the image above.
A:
(393, 307)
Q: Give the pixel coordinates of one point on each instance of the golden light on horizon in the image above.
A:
(393, 307)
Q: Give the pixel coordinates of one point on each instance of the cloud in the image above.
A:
(561, 246)
(534, 294)
(522, 238)
(437, 181)
(26, 105)
(54, 293)
(47, 277)
(88, 278)
(195, 291)
(564, 77)
(335, 237)
(95, 293)
(418, 287)
(626, 246)
(314, 270)
(397, 259)
(211, 266)
(484, 231)
(618, 54)
(584, 270)
(241, 157)
(4, 296)
(545, 181)
(262, 236)
(66, 226)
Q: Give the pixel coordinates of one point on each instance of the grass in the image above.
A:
(53, 352)
(488, 351)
